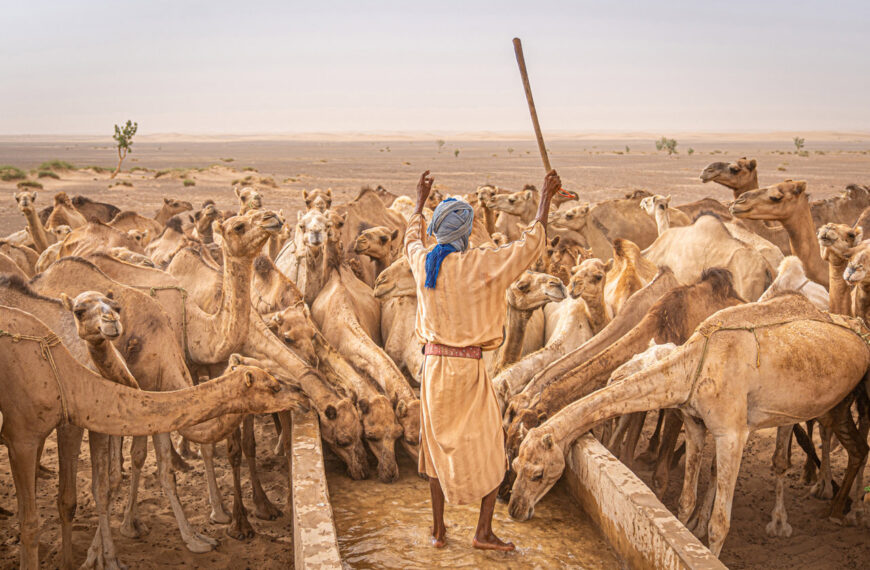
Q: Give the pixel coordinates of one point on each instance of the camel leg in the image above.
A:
(729, 454)
(42, 471)
(857, 513)
(102, 552)
(654, 441)
(116, 462)
(823, 488)
(24, 458)
(69, 442)
(632, 435)
(696, 432)
(849, 436)
(673, 423)
(812, 462)
(194, 541)
(778, 525)
(614, 438)
(132, 527)
(279, 447)
(286, 421)
(263, 508)
(240, 528)
(700, 519)
(218, 511)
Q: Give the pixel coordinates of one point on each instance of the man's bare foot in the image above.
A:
(492, 542)
(439, 537)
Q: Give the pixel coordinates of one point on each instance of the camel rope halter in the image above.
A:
(45, 344)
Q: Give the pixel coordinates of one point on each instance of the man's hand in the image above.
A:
(552, 184)
(424, 187)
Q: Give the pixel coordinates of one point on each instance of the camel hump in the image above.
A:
(786, 307)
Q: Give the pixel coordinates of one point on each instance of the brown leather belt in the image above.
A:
(431, 349)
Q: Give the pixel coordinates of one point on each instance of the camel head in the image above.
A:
(245, 235)
(838, 239)
(204, 217)
(172, 206)
(485, 194)
(61, 231)
(62, 199)
(396, 281)
(533, 290)
(538, 466)
(499, 239)
(735, 175)
(408, 414)
(651, 204)
(293, 327)
(856, 192)
(858, 269)
(341, 428)
(516, 203)
(571, 219)
(249, 199)
(314, 226)
(587, 279)
(564, 255)
(435, 198)
(97, 316)
(142, 237)
(317, 199)
(265, 392)
(381, 430)
(777, 202)
(25, 200)
(376, 242)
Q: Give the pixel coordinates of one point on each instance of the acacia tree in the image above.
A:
(440, 144)
(667, 144)
(798, 143)
(124, 140)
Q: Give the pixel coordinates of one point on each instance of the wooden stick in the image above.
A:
(521, 61)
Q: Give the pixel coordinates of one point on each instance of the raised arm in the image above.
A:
(424, 187)
(552, 184)
(415, 230)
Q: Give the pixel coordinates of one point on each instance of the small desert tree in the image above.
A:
(440, 144)
(456, 153)
(510, 151)
(667, 144)
(691, 151)
(124, 140)
(798, 143)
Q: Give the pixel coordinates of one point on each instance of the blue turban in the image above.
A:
(451, 226)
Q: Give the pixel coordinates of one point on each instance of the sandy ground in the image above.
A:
(594, 168)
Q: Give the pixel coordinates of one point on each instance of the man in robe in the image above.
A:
(460, 313)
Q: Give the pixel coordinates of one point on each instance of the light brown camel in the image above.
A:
(171, 207)
(732, 397)
(7, 265)
(658, 208)
(318, 199)
(705, 206)
(835, 243)
(93, 237)
(515, 211)
(530, 292)
(301, 259)
(26, 201)
(128, 221)
(575, 224)
(348, 315)
(92, 209)
(788, 204)
(671, 318)
(378, 244)
(396, 290)
(483, 209)
(627, 273)
(249, 199)
(37, 401)
(24, 257)
(790, 276)
(564, 255)
(857, 275)
(171, 240)
(50, 254)
(64, 213)
(843, 209)
(708, 242)
(575, 320)
(203, 220)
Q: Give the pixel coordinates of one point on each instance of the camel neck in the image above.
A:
(803, 242)
(235, 304)
(517, 319)
(596, 311)
(663, 221)
(37, 231)
(751, 184)
(110, 364)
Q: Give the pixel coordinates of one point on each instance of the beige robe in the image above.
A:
(462, 441)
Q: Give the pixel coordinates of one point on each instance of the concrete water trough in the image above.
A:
(637, 526)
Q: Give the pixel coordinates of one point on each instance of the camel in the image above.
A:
(857, 275)
(203, 220)
(732, 397)
(705, 206)
(317, 199)
(623, 218)
(50, 254)
(483, 209)
(93, 237)
(741, 177)
(574, 224)
(790, 276)
(396, 290)
(249, 199)
(564, 254)
(24, 257)
(658, 208)
(627, 273)
(93, 209)
(404, 205)
(8, 265)
(671, 318)
(788, 204)
(843, 209)
(128, 221)
(835, 242)
(575, 320)
(499, 239)
(64, 213)
(708, 242)
(26, 205)
(163, 248)
(515, 211)
(170, 208)
(38, 400)
(378, 244)
(128, 256)
(301, 260)
(530, 292)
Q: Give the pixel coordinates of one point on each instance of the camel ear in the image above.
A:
(523, 286)
(527, 194)
(330, 412)
(800, 187)
(547, 440)
(235, 360)
(67, 302)
(752, 164)
(110, 294)
(401, 409)
(859, 235)
(363, 406)
(166, 200)
(668, 199)
(395, 234)
(305, 195)
(554, 242)
(329, 193)
(237, 192)
(609, 265)
(249, 378)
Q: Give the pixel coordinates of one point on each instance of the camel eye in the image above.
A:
(78, 313)
(537, 476)
(569, 216)
(734, 169)
(239, 228)
(288, 340)
(776, 198)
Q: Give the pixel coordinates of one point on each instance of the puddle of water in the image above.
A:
(388, 526)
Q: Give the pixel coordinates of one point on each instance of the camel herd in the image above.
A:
(195, 318)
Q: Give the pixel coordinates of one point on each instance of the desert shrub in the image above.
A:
(48, 174)
(30, 184)
(99, 169)
(249, 169)
(188, 182)
(56, 165)
(627, 149)
(781, 168)
(228, 159)
(126, 183)
(798, 143)
(269, 181)
(456, 153)
(140, 169)
(160, 173)
(667, 144)
(10, 173)
(690, 151)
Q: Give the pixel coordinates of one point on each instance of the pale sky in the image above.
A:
(209, 67)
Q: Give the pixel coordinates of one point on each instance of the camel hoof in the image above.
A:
(219, 517)
(44, 472)
(133, 529)
(241, 531)
(779, 528)
(180, 464)
(200, 544)
(188, 453)
(267, 511)
(822, 490)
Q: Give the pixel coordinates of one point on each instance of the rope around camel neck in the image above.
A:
(45, 344)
